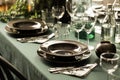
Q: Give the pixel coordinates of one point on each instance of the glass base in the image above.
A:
(91, 47)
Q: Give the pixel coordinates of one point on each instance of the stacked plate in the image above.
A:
(63, 51)
(26, 27)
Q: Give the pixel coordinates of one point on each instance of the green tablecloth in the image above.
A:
(24, 57)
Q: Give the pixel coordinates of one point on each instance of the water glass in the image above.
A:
(108, 32)
(57, 30)
(116, 74)
(89, 27)
(78, 26)
(117, 35)
(109, 62)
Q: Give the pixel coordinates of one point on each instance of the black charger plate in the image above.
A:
(26, 27)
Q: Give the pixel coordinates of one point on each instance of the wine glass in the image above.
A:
(57, 12)
(78, 26)
(75, 9)
(71, 7)
(89, 26)
(109, 62)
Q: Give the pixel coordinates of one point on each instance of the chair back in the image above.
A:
(9, 71)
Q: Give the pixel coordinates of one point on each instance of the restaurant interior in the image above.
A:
(59, 39)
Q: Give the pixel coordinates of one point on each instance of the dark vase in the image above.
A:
(105, 46)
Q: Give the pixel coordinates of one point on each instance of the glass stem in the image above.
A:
(78, 36)
(88, 39)
(109, 77)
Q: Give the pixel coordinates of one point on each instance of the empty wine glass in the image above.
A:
(71, 7)
(109, 62)
(89, 26)
(58, 11)
(75, 9)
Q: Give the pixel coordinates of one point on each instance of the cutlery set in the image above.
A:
(75, 71)
(38, 39)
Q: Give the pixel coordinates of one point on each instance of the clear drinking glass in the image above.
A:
(58, 11)
(89, 26)
(109, 62)
(117, 35)
(71, 6)
(76, 9)
(116, 74)
(78, 26)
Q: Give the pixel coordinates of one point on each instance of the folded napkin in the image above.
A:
(74, 71)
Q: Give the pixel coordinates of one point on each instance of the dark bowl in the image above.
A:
(64, 50)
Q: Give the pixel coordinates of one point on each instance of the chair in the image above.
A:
(8, 71)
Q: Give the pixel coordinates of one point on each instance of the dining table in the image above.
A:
(24, 56)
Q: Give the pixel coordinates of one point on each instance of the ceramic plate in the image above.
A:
(63, 51)
(84, 57)
(64, 45)
(26, 27)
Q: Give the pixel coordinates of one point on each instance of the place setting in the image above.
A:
(66, 57)
(25, 30)
(63, 51)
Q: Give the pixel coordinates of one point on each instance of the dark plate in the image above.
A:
(63, 51)
(84, 57)
(26, 24)
(56, 46)
(26, 27)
